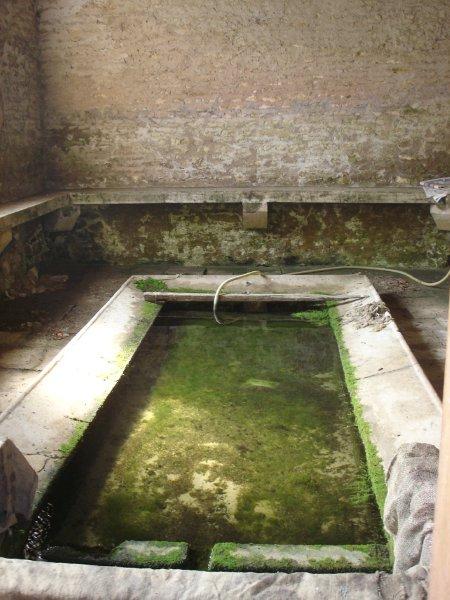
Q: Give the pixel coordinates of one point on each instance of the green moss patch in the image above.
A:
(291, 558)
(315, 317)
(148, 284)
(71, 443)
(374, 466)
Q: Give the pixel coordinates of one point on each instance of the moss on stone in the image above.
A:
(223, 558)
(377, 559)
(149, 312)
(150, 555)
(202, 235)
(154, 554)
(76, 436)
(315, 317)
(255, 558)
(149, 284)
(374, 464)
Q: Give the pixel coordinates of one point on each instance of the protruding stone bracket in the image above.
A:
(441, 215)
(254, 214)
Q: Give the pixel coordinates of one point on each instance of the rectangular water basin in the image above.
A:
(239, 434)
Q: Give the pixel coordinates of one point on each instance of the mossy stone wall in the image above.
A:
(383, 235)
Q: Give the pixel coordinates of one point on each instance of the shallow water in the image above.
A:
(240, 433)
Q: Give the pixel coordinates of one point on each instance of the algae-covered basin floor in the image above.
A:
(236, 433)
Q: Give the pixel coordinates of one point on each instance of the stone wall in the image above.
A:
(21, 259)
(140, 92)
(202, 235)
(21, 142)
(223, 92)
(21, 172)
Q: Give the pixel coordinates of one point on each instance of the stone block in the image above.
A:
(170, 555)
(441, 216)
(290, 558)
(135, 554)
(254, 215)
(18, 483)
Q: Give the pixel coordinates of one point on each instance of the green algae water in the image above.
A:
(237, 433)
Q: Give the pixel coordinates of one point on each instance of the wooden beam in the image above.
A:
(440, 559)
(169, 296)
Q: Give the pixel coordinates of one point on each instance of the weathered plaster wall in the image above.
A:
(22, 258)
(21, 142)
(244, 91)
(21, 172)
(298, 234)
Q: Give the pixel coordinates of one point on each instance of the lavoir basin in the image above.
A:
(165, 440)
(239, 433)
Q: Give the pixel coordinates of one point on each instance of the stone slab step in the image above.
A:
(135, 554)
(289, 558)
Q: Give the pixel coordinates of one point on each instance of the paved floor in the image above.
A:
(33, 330)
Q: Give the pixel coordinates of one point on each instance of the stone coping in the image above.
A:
(397, 401)
(18, 212)
(131, 554)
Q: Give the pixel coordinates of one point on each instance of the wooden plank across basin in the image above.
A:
(167, 296)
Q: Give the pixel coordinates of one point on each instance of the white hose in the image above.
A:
(386, 270)
(223, 284)
(322, 270)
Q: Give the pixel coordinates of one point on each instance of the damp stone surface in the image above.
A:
(241, 433)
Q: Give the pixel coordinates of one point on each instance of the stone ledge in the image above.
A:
(337, 194)
(15, 213)
(20, 211)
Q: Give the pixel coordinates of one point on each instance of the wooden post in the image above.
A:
(440, 558)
